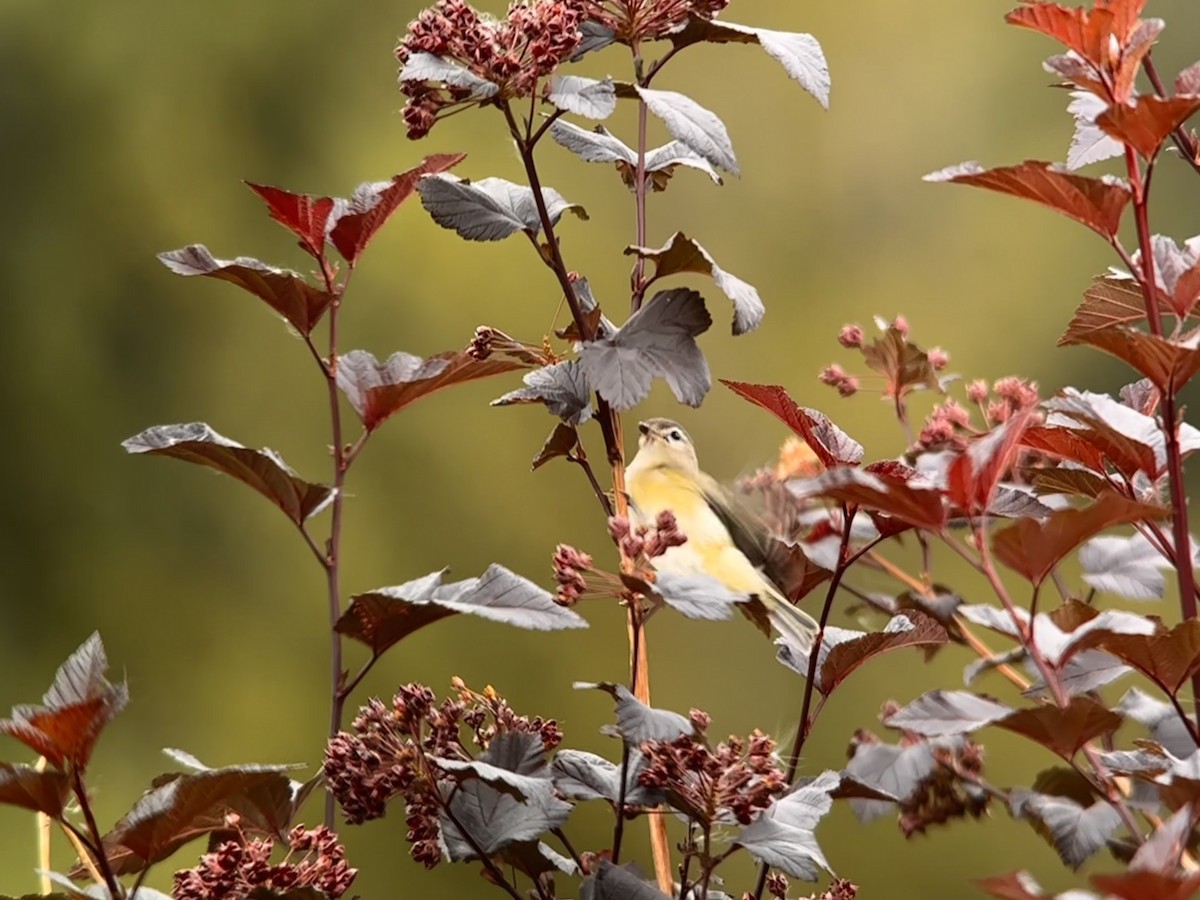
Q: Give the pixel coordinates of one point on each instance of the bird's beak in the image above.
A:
(646, 435)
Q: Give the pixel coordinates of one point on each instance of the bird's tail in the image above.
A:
(795, 625)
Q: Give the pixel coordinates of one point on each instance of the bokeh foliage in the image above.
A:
(126, 129)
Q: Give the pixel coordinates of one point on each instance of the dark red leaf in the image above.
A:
(1123, 437)
(847, 656)
(181, 808)
(262, 470)
(300, 214)
(284, 291)
(1095, 202)
(903, 364)
(1063, 443)
(74, 711)
(1088, 32)
(562, 441)
(832, 446)
(1187, 291)
(24, 786)
(974, 474)
(1109, 301)
(1169, 365)
(1034, 547)
(1148, 885)
(378, 390)
(1063, 480)
(1062, 730)
(1147, 125)
(1188, 81)
(1169, 658)
(879, 487)
(355, 221)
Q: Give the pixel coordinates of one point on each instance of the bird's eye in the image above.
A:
(675, 435)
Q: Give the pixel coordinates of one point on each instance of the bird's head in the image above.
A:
(664, 444)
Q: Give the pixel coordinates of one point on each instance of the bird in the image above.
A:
(665, 474)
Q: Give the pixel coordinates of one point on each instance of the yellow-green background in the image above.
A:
(125, 129)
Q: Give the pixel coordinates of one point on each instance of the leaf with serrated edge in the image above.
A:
(1089, 144)
(939, 713)
(490, 209)
(381, 618)
(354, 222)
(587, 97)
(696, 127)
(1095, 202)
(832, 446)
(637, 722)
(782, 835)
(427, 67)
(658, 341)
(799, 54)
(285, 291)
(378, 390)
(263, 470)
(1075, 831)
(1062, 730)
(682, 254)
(1130, 567)
(1109, 301)
(562, 387)
(1034, 547)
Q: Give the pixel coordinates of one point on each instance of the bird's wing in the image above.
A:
(748, 535)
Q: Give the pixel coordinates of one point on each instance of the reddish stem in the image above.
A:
(1179, 516)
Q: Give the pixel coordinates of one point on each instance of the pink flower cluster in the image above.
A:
(731, 783)
(513, 53)
(386, 754)
(238, 868)
(649, 20)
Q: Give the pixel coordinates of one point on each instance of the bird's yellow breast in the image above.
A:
(709, 548)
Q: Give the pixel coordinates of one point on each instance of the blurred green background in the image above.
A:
(127, 129)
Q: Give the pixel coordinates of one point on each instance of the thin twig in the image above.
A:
(814, 653)
(96, 843)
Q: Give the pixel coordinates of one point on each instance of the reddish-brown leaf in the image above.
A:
(284, 291)
(1146, 126)
(903, 364)
(1169, 365)
(1108, 302)
(1187, 291)
(882, 487)
(832, 446)
(1086, 31)
(358, 219)
(378, 390)
(1104, 424)
(1063, 730)
(1063, 443)
(562, 441)
(1188, 81)
(1034, 547)
(1148, 885)
(300, 214)
(380, 622)
(262, 470)
(1095, 202)
(26, 787)
(1169, 658)
(973, 475)
(847, 656)
(1061, 480)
